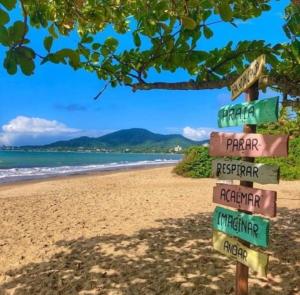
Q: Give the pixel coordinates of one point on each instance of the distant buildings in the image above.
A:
(176, 149)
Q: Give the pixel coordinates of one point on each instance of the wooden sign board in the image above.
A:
(257, 112)
(249, 77)
(244, 198)
(253, 229)
(245, 171)
(248, 145)
(230, 247)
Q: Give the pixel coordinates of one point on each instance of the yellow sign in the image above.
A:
(255, 260)
(249, 77)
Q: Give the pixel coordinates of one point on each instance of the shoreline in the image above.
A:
(83, 174)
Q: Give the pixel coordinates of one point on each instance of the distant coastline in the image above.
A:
(18, 149)
(135, 140)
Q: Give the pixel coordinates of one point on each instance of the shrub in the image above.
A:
(197, 162)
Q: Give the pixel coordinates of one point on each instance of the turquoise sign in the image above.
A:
(256, 112)
(253, 229)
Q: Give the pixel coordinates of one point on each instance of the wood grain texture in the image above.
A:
(253, 229)
(249, 77)
(230, 247)
(249, 199)
(247, 145)
(256, 112)
(245, 171)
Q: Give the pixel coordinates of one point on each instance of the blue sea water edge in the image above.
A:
(24, 165)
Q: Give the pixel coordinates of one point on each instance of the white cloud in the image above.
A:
(22, 124)
(24, 130)
(196, 133)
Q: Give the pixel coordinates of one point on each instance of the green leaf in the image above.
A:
(111, 43)
(208, 33)
(4, 17)
(10, 63)
(25, 56)
(188, 23)
(104, 51)
(96, 46)
(4, 37)
(202, 55)
(87, 39)
(265, 7)
(53, 57)
(225, 11)
(8, 4)
(48, 41)
(73, 56)
(27, 66)
(52, 31)
(95, 56)
(136, 39)
(296, 50)
(17, 31)
(113, 83)
(26, 52)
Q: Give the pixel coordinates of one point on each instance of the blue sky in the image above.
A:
(57, 102)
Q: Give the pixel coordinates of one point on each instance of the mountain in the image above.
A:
(133, 140)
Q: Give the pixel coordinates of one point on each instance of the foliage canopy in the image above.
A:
(165, 37)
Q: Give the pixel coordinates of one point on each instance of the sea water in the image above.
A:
(25, 165)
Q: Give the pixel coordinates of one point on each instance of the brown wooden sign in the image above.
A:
(245, 171)
(245, 198)
(248, 145)
(249, 77)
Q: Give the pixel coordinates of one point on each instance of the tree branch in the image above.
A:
(279, 82)
(191, 85)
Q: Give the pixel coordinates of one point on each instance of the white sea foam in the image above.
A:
(18, 174)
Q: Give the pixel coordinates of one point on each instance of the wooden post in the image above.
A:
(242, 271)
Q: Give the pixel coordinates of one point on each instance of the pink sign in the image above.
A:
(248, 145)
(249, 199)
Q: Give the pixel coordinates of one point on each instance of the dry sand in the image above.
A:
(136, 232)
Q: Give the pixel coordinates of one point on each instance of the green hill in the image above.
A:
(130, 140)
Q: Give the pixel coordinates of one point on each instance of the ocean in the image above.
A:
(25, 165)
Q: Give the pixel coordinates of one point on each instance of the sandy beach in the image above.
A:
(133, 232)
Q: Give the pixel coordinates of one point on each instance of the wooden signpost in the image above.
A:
(255, 260)
(257, 112)
(249, 199)
(246, 171)
(248, 145)
(242, 224)
(249, 77)
(253, 229)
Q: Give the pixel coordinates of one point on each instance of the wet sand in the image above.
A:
(133, 232)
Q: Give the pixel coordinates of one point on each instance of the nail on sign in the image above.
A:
(245, 171)
(257, 112)
(249, 77)
(250, 199)
(248, 145)
(253, 229)
(230, 247)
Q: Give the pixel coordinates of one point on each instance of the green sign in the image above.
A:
(253, 229)
(257, 112)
